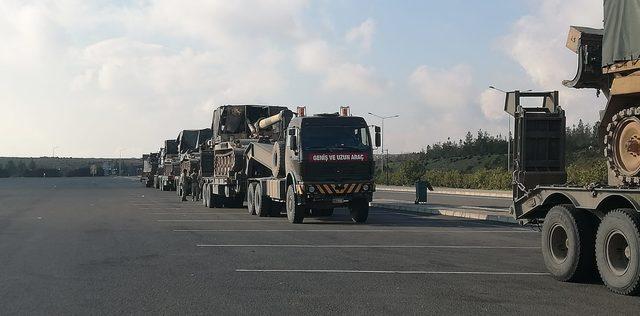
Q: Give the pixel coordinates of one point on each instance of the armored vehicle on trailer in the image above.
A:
(149, 169)
(593, 229)
(191, 155)
(169, 166)
(304, 165)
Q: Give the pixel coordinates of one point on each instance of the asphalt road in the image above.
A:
(110, 246)
(449, 199)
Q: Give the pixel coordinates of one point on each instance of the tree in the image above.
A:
(22, 167)
(32, 165)
(11, 168)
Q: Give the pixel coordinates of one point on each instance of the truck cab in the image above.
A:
(330, 159)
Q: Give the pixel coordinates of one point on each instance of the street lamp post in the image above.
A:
(509, 135)
(53, 151)
(120, 165)
(382, 138)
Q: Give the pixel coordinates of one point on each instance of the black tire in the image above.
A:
(251, 188)
(568, 237)
(617, 251)
(205, 191)
(359, 210)
(277, 168)
(295, 212)
(262, 202)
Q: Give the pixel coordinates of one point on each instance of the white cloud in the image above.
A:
(354, 78)
(362, 34)
(447, 88)
(339, 75)
(537, 42)
(492, 104)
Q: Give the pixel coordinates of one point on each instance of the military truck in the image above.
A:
(149, 169)
(277, 161)
(596, 227)
(190, 154)
(169, 166)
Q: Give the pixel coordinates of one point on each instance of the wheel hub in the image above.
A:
(626, 146)
(618, 252)
(559, 243)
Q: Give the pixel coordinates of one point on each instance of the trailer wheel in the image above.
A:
(295, 212)
(250, 198)
(359, 210)
(277, 168)
(204, 195)
(617, 251)
(568, 238)
(262, 202)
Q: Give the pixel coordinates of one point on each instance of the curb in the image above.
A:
(496, 194)
(424, 209)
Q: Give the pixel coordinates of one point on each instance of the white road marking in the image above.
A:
(394, 272)
(355, 231)
(214, 220)
(193, 213)
(364, 246)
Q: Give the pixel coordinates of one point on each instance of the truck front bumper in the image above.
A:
(334, 194)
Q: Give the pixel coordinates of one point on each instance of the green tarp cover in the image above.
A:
(621, 31)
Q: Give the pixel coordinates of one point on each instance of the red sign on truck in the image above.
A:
(337, 157)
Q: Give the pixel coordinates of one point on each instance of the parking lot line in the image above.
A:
(394, 272)
(365, 246)
(213, 220)
(193, 213)
(355, 231)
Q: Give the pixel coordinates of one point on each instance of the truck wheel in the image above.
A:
(204, 195)
(295, 212)
(568, 237)
(251, 191)
(262, 202)
(617, 251)
(359, 210)
(277, 168)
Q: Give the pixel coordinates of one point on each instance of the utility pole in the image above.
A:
(53, 151)
(382, 140)
(120, 164)
(509, 135)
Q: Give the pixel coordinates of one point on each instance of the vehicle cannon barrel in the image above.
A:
(266, 122)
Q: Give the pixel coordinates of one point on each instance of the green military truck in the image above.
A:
(593, 229)
(277, 161)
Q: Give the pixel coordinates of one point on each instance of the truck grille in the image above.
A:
(336, 172)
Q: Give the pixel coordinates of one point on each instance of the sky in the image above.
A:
(111, 78)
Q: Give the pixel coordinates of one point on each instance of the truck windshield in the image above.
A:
(334, 137)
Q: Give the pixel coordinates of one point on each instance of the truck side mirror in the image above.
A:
(378, 139)
(293, 142)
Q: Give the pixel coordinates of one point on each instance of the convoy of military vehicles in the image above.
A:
(276, 160)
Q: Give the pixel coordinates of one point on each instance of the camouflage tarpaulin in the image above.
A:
(621, 31)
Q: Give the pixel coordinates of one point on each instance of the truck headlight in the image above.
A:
(311, 189)
(365, 187)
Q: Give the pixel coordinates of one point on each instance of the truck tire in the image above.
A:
(262, 202)
(251, 191)
(568, 237)
(204, 195)
(295, 212)
(617, 251)
(359, 210)
(277, 167)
